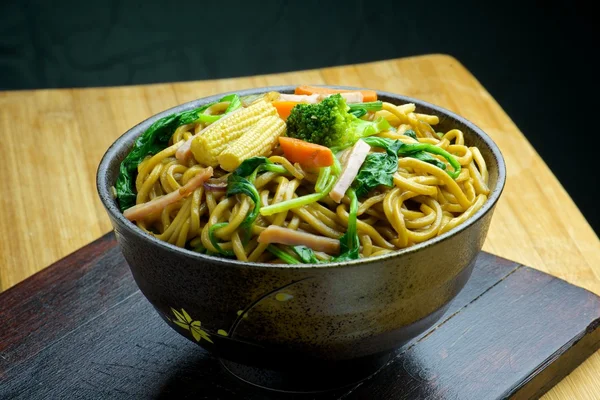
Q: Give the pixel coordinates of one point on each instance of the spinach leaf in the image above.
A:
(240, 181)
(253, 165)
(378, 168)
(237, 184)
(155, 139)
(414, 150)
(418, 151)
(307, 255)
(423, 156)
(349, 243)
(234, 104)
(282, 255)
(410, 133)
(358, 112)
(360, 109)
(152, 141)
(215, 243)
(389, 145)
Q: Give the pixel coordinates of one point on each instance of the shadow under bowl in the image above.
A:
(304, 328)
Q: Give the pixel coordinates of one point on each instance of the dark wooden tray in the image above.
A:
(82, 329)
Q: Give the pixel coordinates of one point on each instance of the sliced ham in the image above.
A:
(185, 150)
(354, 161)
(140, 211)
(281, 235)
(350, 97)
(299, 98)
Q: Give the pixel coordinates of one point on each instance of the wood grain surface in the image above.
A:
(52, 141)
(88, 332)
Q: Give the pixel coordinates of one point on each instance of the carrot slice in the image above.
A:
(284, 108)
(368, 95)
(305, 153)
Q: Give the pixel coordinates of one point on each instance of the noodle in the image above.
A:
(424, 201)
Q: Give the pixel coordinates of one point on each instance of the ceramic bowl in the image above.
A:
(303, 327)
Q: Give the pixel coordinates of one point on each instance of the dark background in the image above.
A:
(534, 58)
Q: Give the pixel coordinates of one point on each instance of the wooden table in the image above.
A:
(52, 141)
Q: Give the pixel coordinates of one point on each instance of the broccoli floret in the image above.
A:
(329, 123)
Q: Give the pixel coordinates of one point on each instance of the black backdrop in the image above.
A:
(536, 60)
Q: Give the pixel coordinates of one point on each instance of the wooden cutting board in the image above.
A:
(81, 329)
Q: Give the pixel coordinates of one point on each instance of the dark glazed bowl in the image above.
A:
(266, 322)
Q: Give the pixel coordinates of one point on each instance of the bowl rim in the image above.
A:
(110, 204)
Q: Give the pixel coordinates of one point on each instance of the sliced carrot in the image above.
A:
(368, 95)
(284, 108)
(305, 153)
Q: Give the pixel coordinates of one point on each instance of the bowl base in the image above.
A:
(322, 377)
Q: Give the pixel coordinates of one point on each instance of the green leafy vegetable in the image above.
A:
(240, 181)
(237, 184)
(299, 201)
(417, 150)
(322, 179)
(215, 243)
(330, 124)
(426, 157)
(234, 104)
(152, 141)
(349, 243)
(410, 133)
(282, 255)
(199, 249)
(253, 165)
(378, 169)
(361, 109)
(307, 256)
(358, 112)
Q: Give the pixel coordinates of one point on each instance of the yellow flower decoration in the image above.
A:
(185, 321)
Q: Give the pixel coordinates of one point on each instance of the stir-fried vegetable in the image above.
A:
(282, 255)
(305, 153)
(234, 104)
(368, 95)
(361, 109)
(258, 140)
(241, 182)
(354, 160)
(251, 166)
(153, 140)
(416, 150)
(284, 108)
(349, 243)
(322, 179)
(209, 144)
(307, 256)
(379, 168)
(141, 211)
(237, 184)
(298, 201)
(410, 133)
(328, 123)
